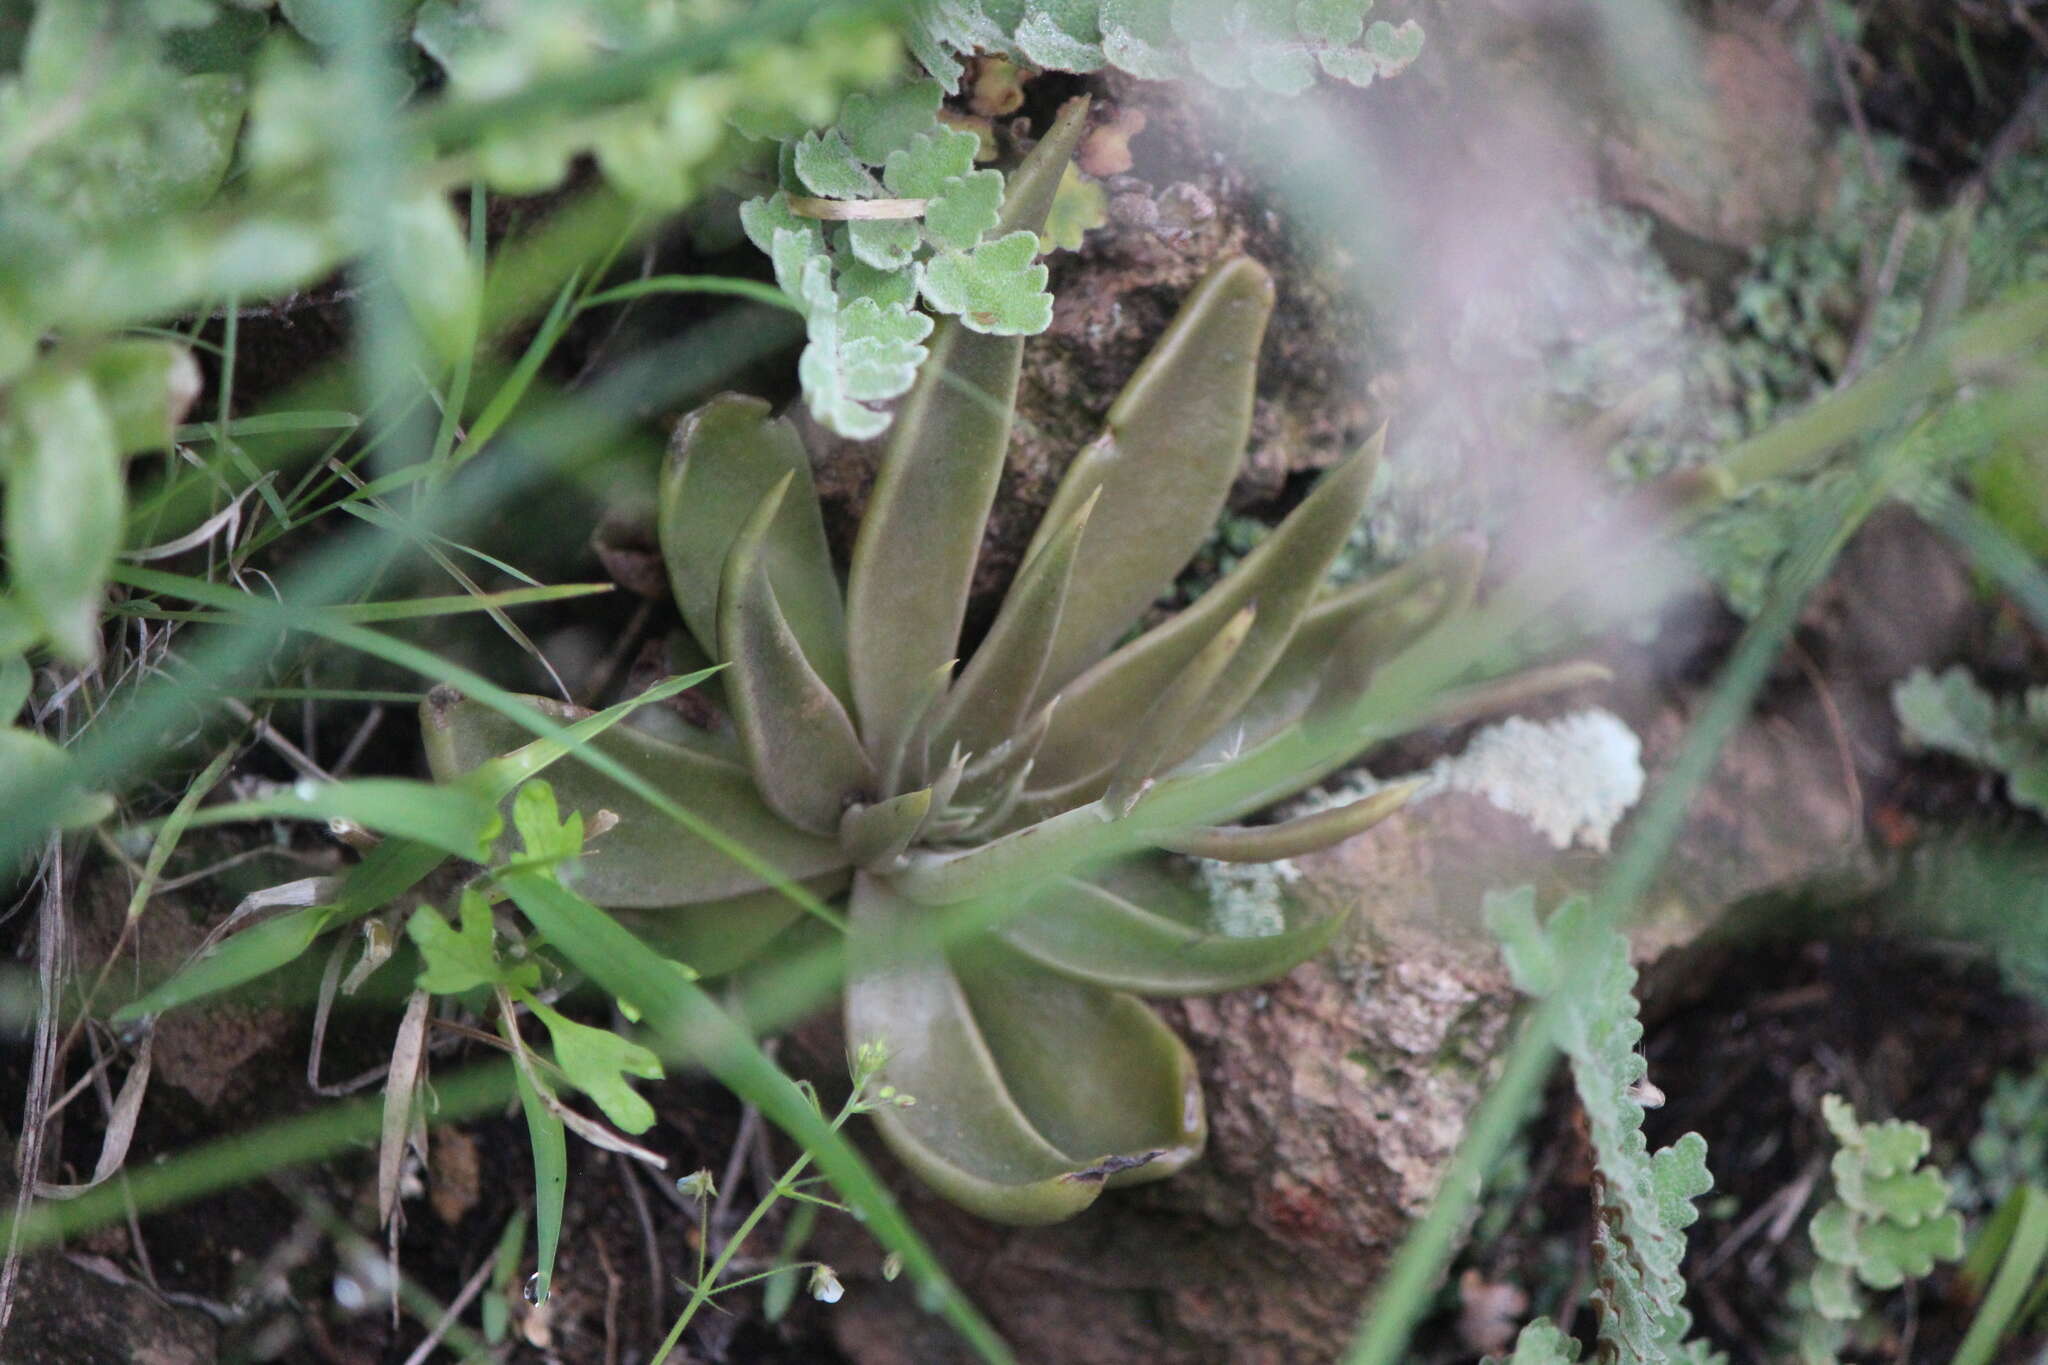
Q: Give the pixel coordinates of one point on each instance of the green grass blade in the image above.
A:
(453, 819)
(505, 1264)
(173, 829)
(254, 952)
(550, 1143)
(269, 424)
(336, 694)
(451, 604)
(508, 395)
(693, 284)
(391, 869)
(2018, 1269)
(465, 362)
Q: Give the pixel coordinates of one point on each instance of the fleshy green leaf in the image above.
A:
(965, 1136)
(1281, 576)
(498, 778)
(1017, 860)
(1295, 838)
(997, 288)
(455, 820)
(63, 516)
(717, 937)
(1094, 1071)
(723, 459)
(875, 834)
(1373, 636)
(914, 558)
(1137, 929)
(1028, 196)
(647, 860)
(1161, 722)
(1175, 439)
(597, 1062)
(990, 701)
(805, 757)
(689, 1024)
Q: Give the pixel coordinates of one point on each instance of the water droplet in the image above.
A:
(348, 1292)
(305, 789)
(533, 1292)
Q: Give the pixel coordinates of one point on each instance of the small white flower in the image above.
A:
(825, 1286)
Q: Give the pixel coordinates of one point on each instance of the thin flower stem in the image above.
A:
(701, 1293)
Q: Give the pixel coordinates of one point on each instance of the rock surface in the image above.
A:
(82, 1311)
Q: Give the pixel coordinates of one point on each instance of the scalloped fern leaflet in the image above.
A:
(1644, 1198)
(1889, 1219)
(1280, 45)
(857, 279)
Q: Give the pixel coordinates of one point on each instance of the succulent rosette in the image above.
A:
(863, 761)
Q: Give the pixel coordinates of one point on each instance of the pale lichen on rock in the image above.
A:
(1572, 778)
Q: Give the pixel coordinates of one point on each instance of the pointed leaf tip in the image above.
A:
(1294, 838)
(1028, 194)
(722, 459)
(1173, 442)
(800, 743)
